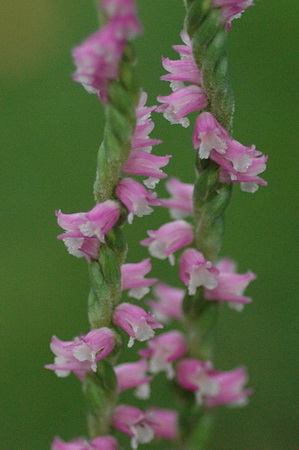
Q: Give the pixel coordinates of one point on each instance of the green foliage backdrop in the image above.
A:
(51, 130)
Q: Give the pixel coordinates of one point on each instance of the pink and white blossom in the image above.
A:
(231, 285)
(133, 422)
(99, 443)
(164, 422)
(133, 278)
(231, 9)
(196, 271)
(144, 126)
(122, 15)
(212, 388)
(97, 61)
(180, 203)
(176, 106)
(169, 238)
(133, 375)
(136, 322)
(136, 198)
(169, 304)
(238, 163)
(181, 70)
(82, 354)
(85, 231)
(184, 50)
(163, 350)
(142, 163)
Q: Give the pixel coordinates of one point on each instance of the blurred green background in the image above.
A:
(51, 130)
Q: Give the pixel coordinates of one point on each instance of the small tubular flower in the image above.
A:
(169, 238)
(136, 322)
(164, 422)
(176, 106)
(181, 70)
(132, 277)
(180, 204)
(231, 9)
(97, 61)
(132, 421)
(163, 350)
(196, 271)
(84, 231)
(213, 388)
(230, 285)
(238, 164)
(146, 164)
(133, 375)
(99, 443)
(136, 198)
(82, 354)
(144, 126)
(169, 304)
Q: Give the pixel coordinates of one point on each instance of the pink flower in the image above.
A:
(136, 322)
(134, 422)
(212, 388)
(144, 126)
(177, 105)
(196, 271)
(97, 60)
(180, 204)
(181, 70)
(169, 304)
(164, 422)
(230, 285)
(238, 164)
(143, 163)
(99, 443)
(136, 198)
(82, 354)
(133, 375)
(144, 427)
(122, 15)
(169, 238)
(163, 350)
(185, 51)
(231, 9)
(85, 231)
(132, 276)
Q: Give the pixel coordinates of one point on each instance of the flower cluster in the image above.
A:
(237, 163)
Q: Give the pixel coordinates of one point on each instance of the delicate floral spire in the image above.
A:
(133, 421)
(163, 350)
(82, 354)
(99, 443)
(132, 276)
(230, 285)
(169, 304)
(133, 375)
(169, 238)
(212, 388)
(84, 231)
(231, 9)
(180, 203)
(196, 271)
(239, 164)
(136, 322)
(136, 198)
